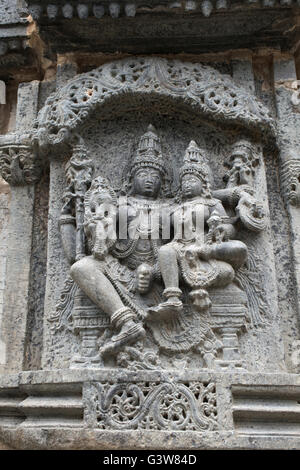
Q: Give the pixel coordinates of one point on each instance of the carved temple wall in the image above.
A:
(83, 113)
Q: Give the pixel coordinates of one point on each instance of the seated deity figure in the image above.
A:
(142, 208)
(202, 253)
(124, 261)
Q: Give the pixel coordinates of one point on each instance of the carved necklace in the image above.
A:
(198, 277)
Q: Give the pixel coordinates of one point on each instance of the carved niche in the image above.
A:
(137, 296)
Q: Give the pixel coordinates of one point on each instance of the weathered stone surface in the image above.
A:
(260, 310)
(149, 247)
(222, 100)
(66, 399)
(190, 26)
(12, 12)
(4, 235)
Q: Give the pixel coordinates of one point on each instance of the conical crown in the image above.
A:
(242, 147)
(149, 152)
(193, 162)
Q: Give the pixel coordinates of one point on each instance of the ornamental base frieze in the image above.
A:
(147, 409)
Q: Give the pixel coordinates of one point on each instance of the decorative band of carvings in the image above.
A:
(290, 181)
(208, 93)
(151, 405)
(85, 319)
(83, 10)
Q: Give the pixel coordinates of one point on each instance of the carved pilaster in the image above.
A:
(20, 166)
(229, 319)
(90, 324)
(286, 95)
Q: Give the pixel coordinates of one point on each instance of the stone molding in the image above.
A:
(217, 410)
(83, 10)
(13, 12)
(12, 45)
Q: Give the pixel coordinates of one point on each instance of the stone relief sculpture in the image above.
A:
(155, 272)
(154, 406)
(201, 263)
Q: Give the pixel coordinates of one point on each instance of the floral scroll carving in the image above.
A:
(151, 405)
(209, 92)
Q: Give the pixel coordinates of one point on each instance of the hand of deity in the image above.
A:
(221, 233)
(191, 255)
(251, 213)
(100, 251)
(144, 278)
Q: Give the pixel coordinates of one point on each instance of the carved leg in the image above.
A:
(233, 252)
(169, 266)
(88, 275)
(170, 274)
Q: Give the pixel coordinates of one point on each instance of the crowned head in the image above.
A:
(242, 150)
(100, 193)
(194, 174)
(148, 169)
(149, 152)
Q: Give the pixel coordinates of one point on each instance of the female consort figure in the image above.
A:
(202, 253)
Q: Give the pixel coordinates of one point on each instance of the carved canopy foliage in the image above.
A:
(206, 91)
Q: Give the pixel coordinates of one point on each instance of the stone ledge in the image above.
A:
(73, 376)
(83, 439)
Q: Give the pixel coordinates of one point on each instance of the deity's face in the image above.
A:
(102, 206)
(238, 161)
(147, 182)
(242, 169)
(191, 186)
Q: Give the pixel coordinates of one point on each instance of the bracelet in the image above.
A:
(67, 219)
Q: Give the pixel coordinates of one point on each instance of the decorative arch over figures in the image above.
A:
(178, 124)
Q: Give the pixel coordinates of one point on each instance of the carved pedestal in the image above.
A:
(89, 323)
(229, 316)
